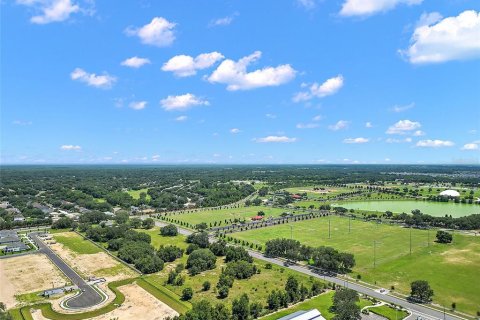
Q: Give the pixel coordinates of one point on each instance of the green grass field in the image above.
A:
(388, 312)
(220, 215)
(329, 192)
(452, 270)
(136, 193)
(76, 243)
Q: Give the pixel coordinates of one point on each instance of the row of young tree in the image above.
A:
(419, 219)
(325, 258)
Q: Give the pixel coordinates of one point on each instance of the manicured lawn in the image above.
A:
(226, 216)
(389, 313)
(451, 270)
(136, 193)
(322, 302)
(76, 243)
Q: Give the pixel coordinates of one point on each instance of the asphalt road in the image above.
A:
(88, 297)
(418, 310)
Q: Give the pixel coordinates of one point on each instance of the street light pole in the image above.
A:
(374, 253)
(291, 232)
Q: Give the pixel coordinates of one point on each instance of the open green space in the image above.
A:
(388, 312)
(159, 240)
(438, 209)
(76, 243)
(322, 302)
(136, 193)
(220, 215)
(451, 270)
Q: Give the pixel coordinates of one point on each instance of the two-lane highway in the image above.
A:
(88, 296)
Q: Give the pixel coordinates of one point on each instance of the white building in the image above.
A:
(450, 193)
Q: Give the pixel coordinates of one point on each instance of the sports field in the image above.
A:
(220, 215)
(452, 270)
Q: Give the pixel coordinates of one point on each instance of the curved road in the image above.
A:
(88, 296)
(418, 310)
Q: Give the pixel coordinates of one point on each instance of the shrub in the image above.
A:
(206, 286)
(169, 230)
(187, 294)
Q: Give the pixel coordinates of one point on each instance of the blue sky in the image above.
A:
(310, 81)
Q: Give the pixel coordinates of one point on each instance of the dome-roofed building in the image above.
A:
(450, 193)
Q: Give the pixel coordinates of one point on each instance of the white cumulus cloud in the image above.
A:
(371, 7)
(70, 147)
(356, 140)
(403, 127)
(341, 124)
(51, 10)
(184, 66)
(135, 62)
(452, 38)
(235, 130)
(327, 88)
(234, 74)
(159, 32)
(368, 125)
(470, 146)
(434, 143)
(103, 81)
(137, 105)
(182, 102)
(280, 139)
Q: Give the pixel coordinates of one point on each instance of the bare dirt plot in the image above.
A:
(93, 265)
(139, 304)
(29, 273)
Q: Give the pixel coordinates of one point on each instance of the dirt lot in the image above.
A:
(138, 304)
(29, 273)
(97, 264)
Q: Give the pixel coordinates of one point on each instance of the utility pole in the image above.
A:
(428, 237)
(349, 223)
(291, 232)
(410, 240)
(374, 253)
(329, 234)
